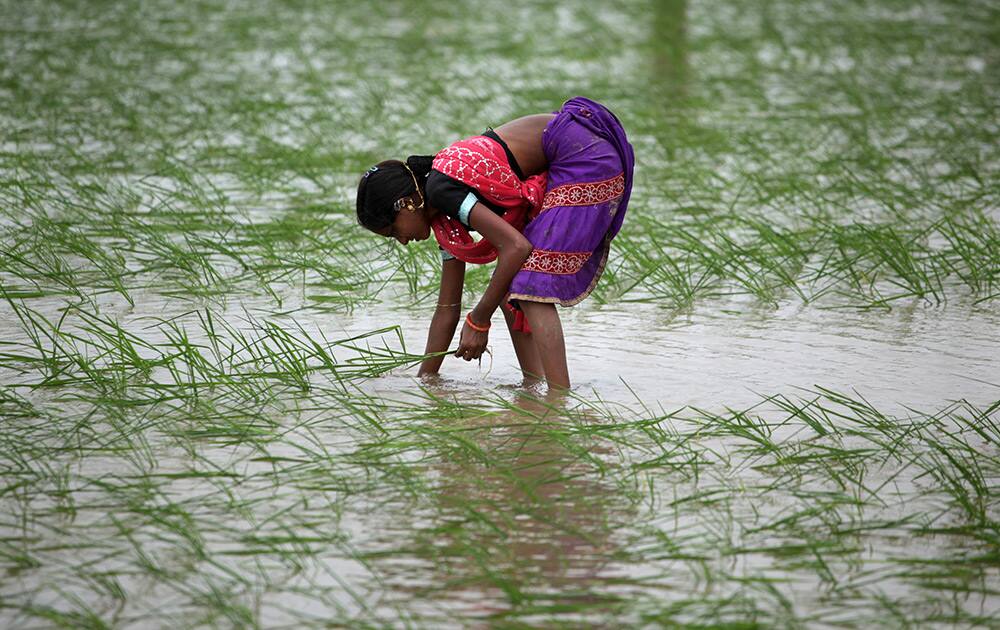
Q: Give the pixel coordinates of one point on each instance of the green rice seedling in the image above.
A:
(46, 351)
(980, 421)
(670, 273)
(35, 275)
(975, 245)
(892, 250)
(781, 255)
(815, 421)
(45, 251)
(961, 470)
(163, 257)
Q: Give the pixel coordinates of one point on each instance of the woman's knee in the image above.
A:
(537, 308)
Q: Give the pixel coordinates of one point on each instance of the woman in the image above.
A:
(547, 193)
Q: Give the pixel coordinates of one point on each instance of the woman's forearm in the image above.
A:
(446, 315)
(510, 260)
(439, 336)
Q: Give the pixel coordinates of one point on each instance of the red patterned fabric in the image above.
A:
(520, 321)
(481, 163)
(587, 194)
(559, 263)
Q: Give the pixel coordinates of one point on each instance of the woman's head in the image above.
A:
(391, 199)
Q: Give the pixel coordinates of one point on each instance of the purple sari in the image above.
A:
(590, 180)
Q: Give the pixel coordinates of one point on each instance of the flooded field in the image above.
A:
(786, 402)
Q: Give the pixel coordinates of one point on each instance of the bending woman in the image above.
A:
(547, 193)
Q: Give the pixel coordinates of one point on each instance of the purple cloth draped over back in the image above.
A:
(589, 185)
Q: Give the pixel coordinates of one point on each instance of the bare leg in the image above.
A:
(524, 348)
(547, 331)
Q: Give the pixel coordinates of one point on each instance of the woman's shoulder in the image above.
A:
(445, 193)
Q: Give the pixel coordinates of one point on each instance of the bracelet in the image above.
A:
(474, 326)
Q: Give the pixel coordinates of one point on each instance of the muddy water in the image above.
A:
(919, 356)
(555, 533)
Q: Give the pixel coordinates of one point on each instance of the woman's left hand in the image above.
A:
(472, 343)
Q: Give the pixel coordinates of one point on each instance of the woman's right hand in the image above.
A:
(472, 343)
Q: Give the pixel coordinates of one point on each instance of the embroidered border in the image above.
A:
(559, 263)
(604, 248)
(586, 194)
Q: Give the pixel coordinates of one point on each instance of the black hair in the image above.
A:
(384, 183)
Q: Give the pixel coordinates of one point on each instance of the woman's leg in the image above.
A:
(547, 331)
(525, 349)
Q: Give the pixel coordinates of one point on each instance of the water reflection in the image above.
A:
(669, 42)
(519, 517)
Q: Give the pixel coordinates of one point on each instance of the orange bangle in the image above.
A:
(474, 326)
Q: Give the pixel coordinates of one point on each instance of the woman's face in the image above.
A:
(409, 225)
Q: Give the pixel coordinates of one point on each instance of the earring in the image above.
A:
(405, 203)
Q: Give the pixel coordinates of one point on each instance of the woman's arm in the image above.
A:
(446, 314)
(513, 249)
